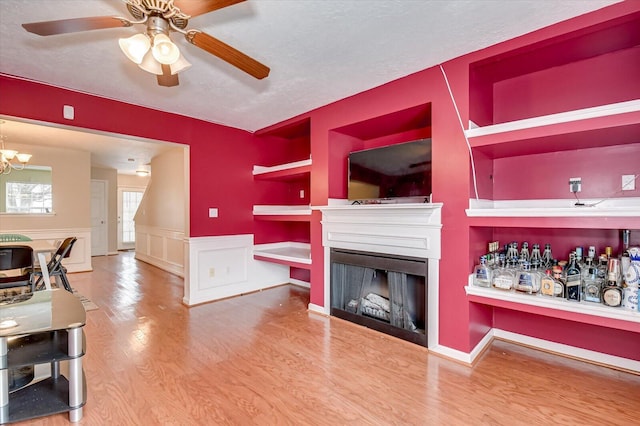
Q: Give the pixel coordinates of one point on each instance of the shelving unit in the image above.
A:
(540, 114)
(586, 312)
(283, 216)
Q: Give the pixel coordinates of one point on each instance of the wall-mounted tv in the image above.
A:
(402, 170)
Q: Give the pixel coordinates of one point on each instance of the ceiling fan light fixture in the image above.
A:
(135, 47)
(149, 64)
(164, 50)
(180, 65)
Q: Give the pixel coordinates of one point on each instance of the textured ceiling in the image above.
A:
(319, 51)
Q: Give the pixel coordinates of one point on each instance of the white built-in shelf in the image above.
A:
(287, 253)
(617, 109)
(286, 212)
(282, 171)
(611, 207)
(586, 312)
(607, 125)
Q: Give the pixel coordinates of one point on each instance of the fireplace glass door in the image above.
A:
(383, 292)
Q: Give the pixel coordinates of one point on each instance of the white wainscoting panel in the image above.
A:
(80, 258)
(163, 248)
(223, 266)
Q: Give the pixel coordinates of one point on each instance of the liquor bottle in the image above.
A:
(591, 283)
(527, 281)
(547, 257)
(536, 257)
(524, 254)
(512, 253)
(482, 274)
(573, 279)
(625, 239)
(612, 293)
(503, 277)
(579, 259)
(592, 253)
(547, 284)
(559, 284)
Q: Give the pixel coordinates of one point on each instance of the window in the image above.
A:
(28, 197)
(130, 202)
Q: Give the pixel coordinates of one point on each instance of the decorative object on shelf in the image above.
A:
(153, 50)
(8, 155)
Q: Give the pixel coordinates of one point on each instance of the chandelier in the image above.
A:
(7, 157)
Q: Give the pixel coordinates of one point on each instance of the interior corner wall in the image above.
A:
(111, 176)
(163, 204)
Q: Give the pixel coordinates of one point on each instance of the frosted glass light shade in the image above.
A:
(8, 153)
(180, 65)
(149, 64)
(135, 47)
(23, 158)
(164, 50)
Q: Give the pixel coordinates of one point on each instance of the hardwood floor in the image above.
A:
(263, 359)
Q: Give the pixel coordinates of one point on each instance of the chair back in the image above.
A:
(63, 251)
(16, 257)
(9, 238)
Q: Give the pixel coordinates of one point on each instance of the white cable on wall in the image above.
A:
(455, 106)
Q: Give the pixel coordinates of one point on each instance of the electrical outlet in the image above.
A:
(575, 184)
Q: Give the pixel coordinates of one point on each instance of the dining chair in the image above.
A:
(55, 267)
(19, 258)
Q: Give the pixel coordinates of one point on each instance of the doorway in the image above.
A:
(128, 201)
(99, 229)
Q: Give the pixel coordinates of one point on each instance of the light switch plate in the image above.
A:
(213, 212)
(628, 182)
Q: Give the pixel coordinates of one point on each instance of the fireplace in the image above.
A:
(382, 292)
(381, 265)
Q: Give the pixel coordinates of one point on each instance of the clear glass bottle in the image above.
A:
(547, 284)
(524, 256)
(591, 283)
(512, 253)
(547, 256)
(482, 274)
(503, 277)
(573, 279)
(612, 293)
(559, 284)
(527, 280)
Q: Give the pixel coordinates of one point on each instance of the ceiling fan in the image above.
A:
(153, 50)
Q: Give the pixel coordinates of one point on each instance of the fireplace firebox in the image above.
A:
(385, 292)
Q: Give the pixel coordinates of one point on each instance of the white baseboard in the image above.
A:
(162, 248)
(300, 283)
(317, 309)
(466, 358)
(570, 351)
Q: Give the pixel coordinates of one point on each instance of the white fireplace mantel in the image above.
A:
(412, 229)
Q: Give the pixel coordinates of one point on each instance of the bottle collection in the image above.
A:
(610, 280)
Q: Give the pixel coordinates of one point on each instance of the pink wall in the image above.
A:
(221, 157)
(221, 161)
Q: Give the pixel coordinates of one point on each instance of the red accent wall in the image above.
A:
(221, 158)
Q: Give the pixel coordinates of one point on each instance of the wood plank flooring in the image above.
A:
(262, 359)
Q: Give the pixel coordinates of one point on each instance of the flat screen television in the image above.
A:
(391, 172)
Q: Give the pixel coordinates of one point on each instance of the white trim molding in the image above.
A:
(163, 248)
(80, 258)
(223, 266)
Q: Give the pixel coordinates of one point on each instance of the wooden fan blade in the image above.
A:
(63, 26)
(195, 8)
(166, 79)
(227, 53)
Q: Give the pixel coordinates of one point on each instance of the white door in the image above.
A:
(99, 227)
(128, 202)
